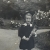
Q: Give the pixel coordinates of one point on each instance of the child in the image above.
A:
(27, 41)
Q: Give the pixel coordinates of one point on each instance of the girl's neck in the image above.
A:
(28, 23)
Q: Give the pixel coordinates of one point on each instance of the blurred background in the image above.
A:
(15, 10)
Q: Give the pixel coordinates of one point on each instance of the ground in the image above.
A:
(9, 39)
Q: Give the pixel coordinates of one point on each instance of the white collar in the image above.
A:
(25, 24)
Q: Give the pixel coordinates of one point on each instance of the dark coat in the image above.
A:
(26, 31)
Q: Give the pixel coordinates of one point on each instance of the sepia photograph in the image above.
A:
(24, 24)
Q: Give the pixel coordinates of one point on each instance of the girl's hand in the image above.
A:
(25, 38)
(35, 34)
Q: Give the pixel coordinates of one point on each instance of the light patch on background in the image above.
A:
(34, 1)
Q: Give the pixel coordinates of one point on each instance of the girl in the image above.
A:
(24, 32)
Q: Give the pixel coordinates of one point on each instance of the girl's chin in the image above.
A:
(28, 23)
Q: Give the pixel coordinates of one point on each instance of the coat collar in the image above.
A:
(25, 24)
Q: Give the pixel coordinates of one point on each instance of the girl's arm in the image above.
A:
(23, 37)
(21, 32)
(33, 32)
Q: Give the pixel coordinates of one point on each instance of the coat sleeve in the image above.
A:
(21, 32)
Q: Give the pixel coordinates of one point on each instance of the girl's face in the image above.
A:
(28, 19)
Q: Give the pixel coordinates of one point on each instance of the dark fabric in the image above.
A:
(26, 31)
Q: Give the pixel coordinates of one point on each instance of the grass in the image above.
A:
(43, 41)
